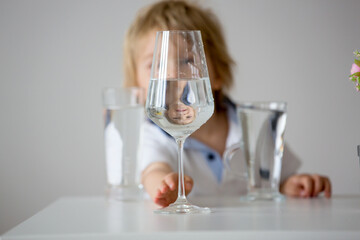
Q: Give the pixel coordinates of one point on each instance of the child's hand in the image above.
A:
(167, 192)
(305, 185)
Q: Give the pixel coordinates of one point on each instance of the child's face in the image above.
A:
(143, 62)
(177, 111)
(181, 114)
(144, 59)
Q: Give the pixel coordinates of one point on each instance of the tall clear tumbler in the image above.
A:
(262, 127)
(123, 117)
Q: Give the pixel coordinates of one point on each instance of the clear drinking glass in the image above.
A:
(123, 117)
(179, 97)
(262, 127)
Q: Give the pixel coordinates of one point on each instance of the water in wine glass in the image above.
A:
(185, 108)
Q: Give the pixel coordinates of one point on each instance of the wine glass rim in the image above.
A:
(123, 88)
(179, 30)
(263, 104)
(260, 102)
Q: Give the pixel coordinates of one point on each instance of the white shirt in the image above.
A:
(203, 164)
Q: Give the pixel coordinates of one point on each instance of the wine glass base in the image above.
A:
(263, 196)
(183, 207)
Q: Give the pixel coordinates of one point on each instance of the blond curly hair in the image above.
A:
(179, 15)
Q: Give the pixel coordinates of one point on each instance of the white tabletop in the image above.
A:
(97, 218)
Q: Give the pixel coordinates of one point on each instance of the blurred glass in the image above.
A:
(123, 117)
(262, 127)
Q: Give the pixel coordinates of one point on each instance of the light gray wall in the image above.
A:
(56, 56)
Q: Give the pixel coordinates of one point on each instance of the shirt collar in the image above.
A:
(233, 132)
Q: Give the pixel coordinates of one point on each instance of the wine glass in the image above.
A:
(179, 98)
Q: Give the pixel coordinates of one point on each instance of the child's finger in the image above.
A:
(188, 180)
(157, 196)
(308, 186)
(327, 187)
(161, 201)
(188, 184)
(171, 181)
(164, 187)
(318, 184)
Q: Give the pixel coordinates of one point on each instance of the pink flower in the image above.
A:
(354, 68)
(355, 71)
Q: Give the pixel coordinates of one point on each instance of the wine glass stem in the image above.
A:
(181, 184)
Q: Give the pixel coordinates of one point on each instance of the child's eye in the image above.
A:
(187, 61)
